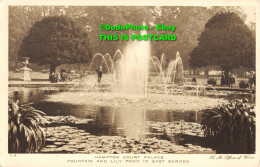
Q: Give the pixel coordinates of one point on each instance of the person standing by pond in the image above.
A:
(99, 72)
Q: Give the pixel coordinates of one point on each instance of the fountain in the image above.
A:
(133, 68)
(126, 83)
(175, 70)
(129, 70)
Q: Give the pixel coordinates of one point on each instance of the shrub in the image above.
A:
(212, 81)
(230, 128)
(243, 84)
(25, 134)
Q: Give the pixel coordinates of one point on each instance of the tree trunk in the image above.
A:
(225, 78)
(52, 68)
(206, 73)
(16, 64)
(226, 73)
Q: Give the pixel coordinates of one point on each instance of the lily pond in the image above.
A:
(97, 128)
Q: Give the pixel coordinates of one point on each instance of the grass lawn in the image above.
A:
(34, 75)
(39, 76)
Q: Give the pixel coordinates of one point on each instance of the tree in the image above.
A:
(21, 19)
(56, 40)
(189, 22)
(227, 42)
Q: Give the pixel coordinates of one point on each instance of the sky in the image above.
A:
(250, 11)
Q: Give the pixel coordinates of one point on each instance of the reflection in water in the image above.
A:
(28, 95)
(130, 121)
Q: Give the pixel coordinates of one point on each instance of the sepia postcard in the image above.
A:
(129, 83)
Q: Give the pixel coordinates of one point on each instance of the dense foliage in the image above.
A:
(55, 41)
(189, 22)
(230, 128)
(25, 134)
(227, 42)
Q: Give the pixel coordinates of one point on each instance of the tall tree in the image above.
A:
(21, 19)
(56, 40)
(227, 42)
(189, 22)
